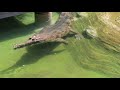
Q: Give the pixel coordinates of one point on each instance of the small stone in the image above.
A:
(90, 31)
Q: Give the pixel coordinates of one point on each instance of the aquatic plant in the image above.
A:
(100, 54)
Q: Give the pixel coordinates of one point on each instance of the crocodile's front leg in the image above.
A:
(73, 32)
(61, 40)
(77, 34)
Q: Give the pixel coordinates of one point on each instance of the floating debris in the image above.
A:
(83, 14)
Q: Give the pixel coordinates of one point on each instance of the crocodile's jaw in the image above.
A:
(28, 43)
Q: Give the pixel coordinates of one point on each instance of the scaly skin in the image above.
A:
(52, 33)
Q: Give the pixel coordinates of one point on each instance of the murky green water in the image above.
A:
(81, 58)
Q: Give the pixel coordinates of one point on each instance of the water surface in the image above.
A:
(81, 58)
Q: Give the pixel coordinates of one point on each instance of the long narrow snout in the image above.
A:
(19, 46)
(28, 43)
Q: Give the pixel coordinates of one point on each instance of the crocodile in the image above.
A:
(53, 33)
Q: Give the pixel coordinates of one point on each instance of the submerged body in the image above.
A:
(52, 33)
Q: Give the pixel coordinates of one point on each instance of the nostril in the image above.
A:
(33, 39)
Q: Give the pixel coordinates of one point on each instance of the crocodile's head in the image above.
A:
(36, 39)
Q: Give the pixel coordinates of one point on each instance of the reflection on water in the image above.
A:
(111, 32)
(110, 19)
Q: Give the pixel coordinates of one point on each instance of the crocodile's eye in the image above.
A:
(29, 38)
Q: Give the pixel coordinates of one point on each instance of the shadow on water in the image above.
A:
(34, 53)
(12, 28)
(9, 23)
(85, 35)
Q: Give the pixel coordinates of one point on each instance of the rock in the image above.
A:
(90, 31)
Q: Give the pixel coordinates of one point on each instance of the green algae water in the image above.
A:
(86, 58)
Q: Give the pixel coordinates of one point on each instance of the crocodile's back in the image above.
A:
(52, 33)
(64, 20)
